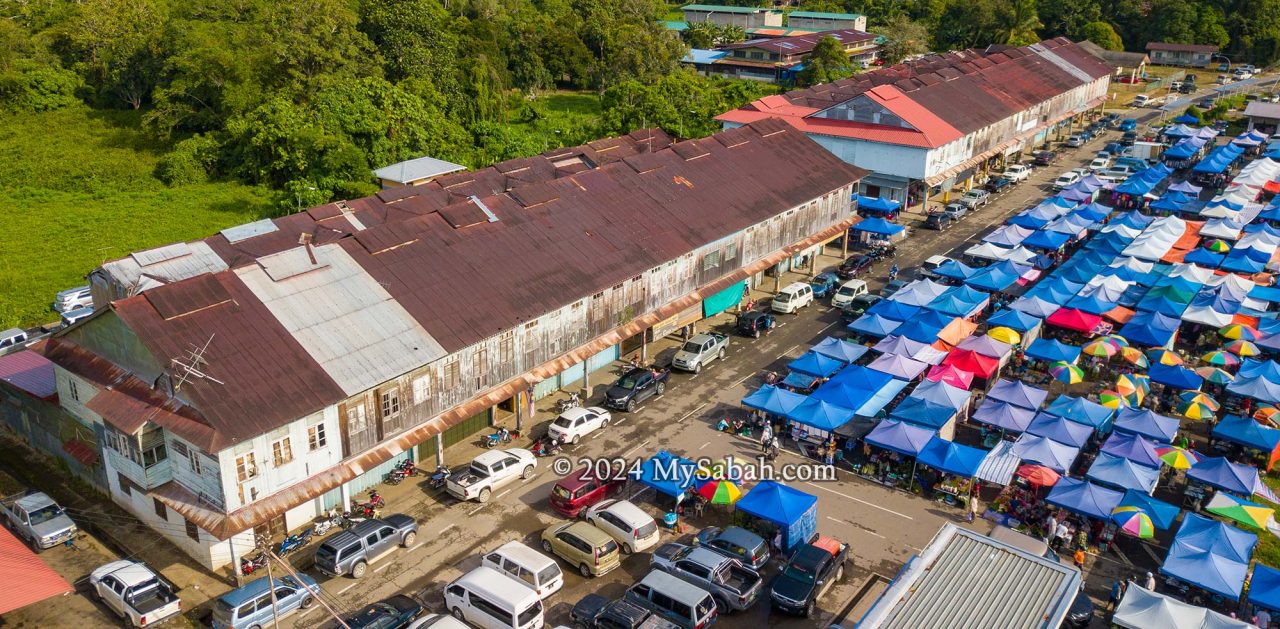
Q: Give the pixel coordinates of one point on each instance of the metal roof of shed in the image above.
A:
(417, 169)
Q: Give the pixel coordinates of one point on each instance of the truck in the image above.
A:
(1145, 150)
(808, 574)
(135, 593)
(36, 518)
(734, 586)
(700, 350)
(636, 386)
(489, 471)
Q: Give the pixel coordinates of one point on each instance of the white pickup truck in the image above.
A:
(135, 593)
(36, 518)
(489, 471)
(700, 350)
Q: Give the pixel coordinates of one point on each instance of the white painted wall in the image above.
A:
(888, 159)
(270, 478)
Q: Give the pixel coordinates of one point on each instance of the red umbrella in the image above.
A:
(1039, 475)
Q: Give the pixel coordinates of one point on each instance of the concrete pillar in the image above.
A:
(844, 245)
(345, 493)
(439, 450)
(777, 281)
(644, 348)
(519, 408)
(235, 558)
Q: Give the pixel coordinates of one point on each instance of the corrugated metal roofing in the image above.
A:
(30, 372)
(24, 578)
(147, 272)
(417, 170)
(799, 44)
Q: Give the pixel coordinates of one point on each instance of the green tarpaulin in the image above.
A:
(723, 300)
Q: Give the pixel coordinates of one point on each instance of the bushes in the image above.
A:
(192, 160)
(33, 87)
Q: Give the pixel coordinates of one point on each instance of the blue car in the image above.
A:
(823, 283)
(1128, 124)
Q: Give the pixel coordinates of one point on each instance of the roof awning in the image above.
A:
(24, 578)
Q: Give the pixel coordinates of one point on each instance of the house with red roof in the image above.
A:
(942, 120)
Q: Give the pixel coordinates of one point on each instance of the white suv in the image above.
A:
(632, 528)
(574, 424)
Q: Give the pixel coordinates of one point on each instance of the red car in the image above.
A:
(574, 494)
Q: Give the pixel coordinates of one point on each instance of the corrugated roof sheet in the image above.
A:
(1155, 45)
(825, 16)
(29, 372)
(417, 170)
(800, 44)
(24, 578)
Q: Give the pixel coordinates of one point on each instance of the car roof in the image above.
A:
(495, 584)
(576, 480)
(12, 332)
(251, 590)
(795, 286)
(33, 501)
(588, 532)
(811, 553)
(853, 282)
(740, 536)
(489, 457)
(706, 557)
(129, 573)
(572, 413)
(630, 513)
(521, 553)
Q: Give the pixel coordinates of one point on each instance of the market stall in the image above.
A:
(793, 511)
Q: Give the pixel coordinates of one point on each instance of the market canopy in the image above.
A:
(1136, 448)
(1147, 423)
(1143, 609)
(1151, 328)
(1247, 432)
(775, 502)
(878, 226)
(1034, 306)
(668, 474)
(1080, 410)
(1217, 471)
(1047, 452)
(820, 414)
(1049, 240)
(1073, 319)
(973, 362)
(940, 392)
(1264, 587)
(1019, 321)
(1018, 393)
(874, 325)
(1052, 350)
(839, 349)
(1004, 415)
(951, 457)
(1084, 498)
(817, 365)
(986, 346)
(999, 465)
(900, 437)
(1211, 555)
(1060, 430)
(924, 413)
(775, 400)
(1121, 473)
(877, 204)
(1256, 387)
(897, 366)
(1162, 514)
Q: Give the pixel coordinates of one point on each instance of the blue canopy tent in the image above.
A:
(793, 510)
(1136, 448)
(1147, 423)
(1162, 514)
(893, 310)
(955, 305)
(955, 269)
(1264, 587)
(1060, 430)
(1015, 320)
(877, 226)
(940, 392)
(1151, 328)
(951, 457)
(817, 365)
(894, 344)
(1266, 293)
(1081, 411)
(1121, 473)
(1172, 202)
(1178, 130)
(1046, 452)
(924, 413)
(901, 437)
(1034, 306)
(1017, 392)
(1218, 160)
(1256, 387)
(1047, 240)
(1004, 415)
(1182, 150)
(774, 400)
(839, 349)
(1029, 219)
(1186, 186)
(1084, 498)
(1091, 304)
(1052, 350)
(874, 325)
(1252, 367)
(797, 380)
(877, 204)
(997, 277)
(1246, 260)
(859, 377)
(1211, 555)
(1136, 186)
(920, 330)
(844, 395)
(1204, 258)
(1186, 119)
(1247, 432)
(1076, 195)
(1217, 471)
(668, 474)
(820, 414)
(881, 398)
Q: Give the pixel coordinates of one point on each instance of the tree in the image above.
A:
(1102, 34)
(828, 62)
(417, 38)
(701, 34)
(1173, 21)
(903, 38)
(1019, 23)
(967, 24)
(1068, 18)
(1209, 28)
(118, 46)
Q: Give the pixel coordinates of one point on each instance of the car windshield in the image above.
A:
(846, 291)
(44, 514)
(780, 298)
(528, 615)
(694, 348)
(798, 572)
(628, 382)
(973, 193)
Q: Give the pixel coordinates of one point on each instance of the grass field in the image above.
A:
(565, 118)
(78, 188)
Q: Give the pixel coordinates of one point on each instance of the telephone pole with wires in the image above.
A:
(271, 556)
(264, 545)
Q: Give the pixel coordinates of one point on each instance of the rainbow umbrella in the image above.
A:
(1114, 339)
(1239, 331)
(1139, 381)
(1218, 245)
(1215, 375)
(1239, 510)
(720, 492)
(1199, 398)
(1220, 358)
(1194, 410)
(1133, 521)
(1100, 348)
(1066, 372)
(1134, 356)
(1164, 357)
(1177, 458)
(1005, 335)
(1111, 399)
(1243, 348)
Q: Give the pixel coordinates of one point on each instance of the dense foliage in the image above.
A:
(308, 96)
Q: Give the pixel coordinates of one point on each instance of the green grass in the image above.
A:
(1268, 549)
(78, 189)
(563, 118)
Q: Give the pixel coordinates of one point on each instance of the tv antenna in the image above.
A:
(192, 366)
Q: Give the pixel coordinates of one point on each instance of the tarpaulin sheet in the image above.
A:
(723, 300)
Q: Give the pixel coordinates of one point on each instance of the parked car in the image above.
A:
(998, 184)
(135, 593)
(1223, 79)
(931, 264)
(703, 348)
(809, 573)
(1128, 138)
(391, 613)
(573, 494)
(1099, 163)
(1134, 164)
(854, 266)
(939, 221)
(1141, 100)
(13, 337)
(847, 292)
(1075, 141)
(860, 304)
(489, 599)
(72, 298)
(892, 287)
(250, 605)
(792, 298)
(489, 471)
(754, 323)
(1118, 172)
(735, 542)
(1016, 172)
(1241, 74)
(675, 600)
(584, 546)
(1045, 158)
(76, 315)
(823, 284)
(1187, 88)
(1113, 149)
(1080, 615)
(632, 528)
(734, 586)
(1128, 124)
(36, 518)
(635, 386)
(955, 211)
(437, 621)
(594, 611)
(1065, 180)
(350, 552)
(541, 573)
(975, 198)
(1224, 67)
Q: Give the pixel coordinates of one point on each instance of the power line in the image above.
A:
(320, 599)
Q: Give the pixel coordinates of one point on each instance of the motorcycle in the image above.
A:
(772, 378)
(249, 566)
(359, 513)
(394, 476)
(293, 542)
(408, 467)
(546, 446)
(332, 520)
(440, 477)
(573, 402)
(375, 498)
(502, 436)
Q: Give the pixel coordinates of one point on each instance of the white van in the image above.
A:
(538, 571)
(792, 298)
(676, 600)
(847, 292)
(490, 599)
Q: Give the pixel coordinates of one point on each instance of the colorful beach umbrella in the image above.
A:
(1111, 399)
(1114, 339)
(1038, 475)
(1199, 398)
(1133, 521)
(1243, 348)
(1218, 245)
(1193, 410)
(1005, 335)
(1066, 372)
(1100, 348)
(1220, 358)
(720, 492)
(1239, 331)
(1134, 356)
(1164, 357)
(1215, 375)
(1177, 458)
(1239, 510)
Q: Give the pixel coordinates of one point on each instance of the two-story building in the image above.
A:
(746, 17)
(820, 21)
(1185, 55)
(941, 120)
(243, 384)
(779, 59)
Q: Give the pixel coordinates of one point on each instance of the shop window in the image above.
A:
(161, 512)
(192, 531)
(507, 348)
(125, 484)
(421, 389)
(355, 419)
(451, 375)
(315, 437)
(154, 455)
(711, 261)
(246, 467)
(281, 452)
(391, 403)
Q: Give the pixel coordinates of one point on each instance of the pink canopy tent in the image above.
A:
(1073, 319)
(951, 375)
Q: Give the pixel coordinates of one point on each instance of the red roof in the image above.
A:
(972, 362)
(30, 372)
(24, 579)
(1073, 319)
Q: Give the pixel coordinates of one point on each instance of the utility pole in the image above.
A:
(271, 583)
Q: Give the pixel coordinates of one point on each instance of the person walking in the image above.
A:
(1263, 619)
(766, 437)
(1150, 582)
(1078, 559)
(973, 508)
(1117, 588)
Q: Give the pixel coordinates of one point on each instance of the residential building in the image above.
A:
(778, 60)
(415, 172)
(746, 17)
(1265, 117)
(819, 21)
(941, 120)
(1126, 64)
(1187, 55)
(1000, 584)
(243, 384)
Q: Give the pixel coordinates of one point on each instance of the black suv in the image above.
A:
(1045, 158)
(596, 612)
(853, 267)
(939, 221)
(753, 323)
(998, 184)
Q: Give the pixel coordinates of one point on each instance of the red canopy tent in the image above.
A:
(972, 362)
(951, 375)
(1073, 319)
(24, 578)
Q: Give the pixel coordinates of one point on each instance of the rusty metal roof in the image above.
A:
(30, 372)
